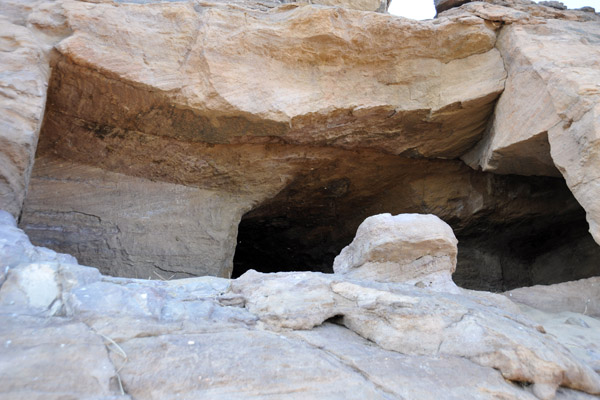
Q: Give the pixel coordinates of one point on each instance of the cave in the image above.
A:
(494, 254)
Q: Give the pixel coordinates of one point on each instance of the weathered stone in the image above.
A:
(577, 332)
(443, 5)
(554, 4)
(204, 87)
(548, 113)
(166, 339)
(54, 359)
(23, 85)
(157, 230)
(410, 320)
(581, 296)
(362, 5)
(410, 248)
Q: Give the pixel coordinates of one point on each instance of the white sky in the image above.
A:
(424, 9)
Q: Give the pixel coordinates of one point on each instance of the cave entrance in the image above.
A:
(279, 244)
(491, 256)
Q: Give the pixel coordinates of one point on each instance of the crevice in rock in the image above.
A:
(116, 381)
(349, 364)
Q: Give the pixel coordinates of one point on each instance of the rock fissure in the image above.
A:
(352, 366)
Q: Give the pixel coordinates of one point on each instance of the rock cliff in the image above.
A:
(266, 132)
(358, 173)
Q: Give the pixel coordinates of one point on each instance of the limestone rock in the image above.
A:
(409, 248)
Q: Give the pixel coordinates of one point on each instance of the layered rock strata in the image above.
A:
(546, 121)
(288, 117)
(191, 108)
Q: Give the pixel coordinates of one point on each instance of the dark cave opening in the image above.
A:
(280, 245)
(492, 257)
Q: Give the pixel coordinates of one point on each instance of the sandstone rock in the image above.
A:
(363, 5)
(16, 249)
(410, 377)
(410, 248)
(577, 332)
(204, 88)
(158, 230)
(547, 115)
(581, 296)
(554, 4)
(54, 359)
(417, 321)
(443, 5)
(163, 339)
(23, 86)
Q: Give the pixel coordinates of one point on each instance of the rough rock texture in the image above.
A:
(546, 121)
(54, 359)
(580, 333)
(177, 121)
(480, 327)
(443, 5)
(166, 106)
(23, 85)
(335, 78)
(191, 107)
(581, 296)
(128, 338)
(158, 230)
(411, 248)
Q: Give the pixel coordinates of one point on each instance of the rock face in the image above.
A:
(165, 108)
(23, 85)
(546, 121)
(130, 338)
(410, 248)
(190, 107)
(443, 5)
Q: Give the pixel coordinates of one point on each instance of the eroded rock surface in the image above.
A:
(582, 296)
(23, 86)
(411, 248)
(546, 121)
(163, 339)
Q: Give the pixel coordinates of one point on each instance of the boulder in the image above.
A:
(411, 248)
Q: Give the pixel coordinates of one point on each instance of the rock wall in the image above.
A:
(296, 122)
(546, 121)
